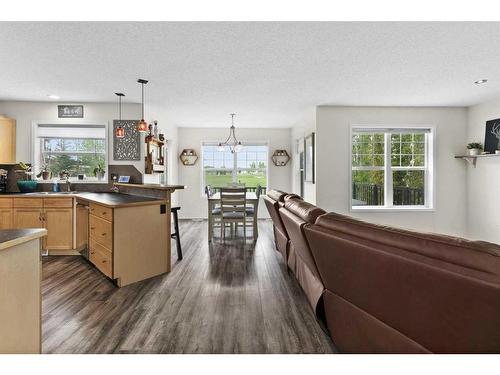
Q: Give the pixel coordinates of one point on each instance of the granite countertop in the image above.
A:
(112, 200)
(152, 186)
(118, 200)
(12, 237)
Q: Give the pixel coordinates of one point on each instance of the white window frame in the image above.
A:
(429, 167)
(235, 161)
(68, 123)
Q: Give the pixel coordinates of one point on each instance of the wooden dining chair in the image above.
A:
(233, 209)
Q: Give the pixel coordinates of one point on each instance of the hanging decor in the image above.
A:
(120, 131)
(126, 142)
(231, 141)
(142, 126)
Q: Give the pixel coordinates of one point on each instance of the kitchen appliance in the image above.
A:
(3, 180)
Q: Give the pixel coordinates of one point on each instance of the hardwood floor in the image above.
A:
(222, 298)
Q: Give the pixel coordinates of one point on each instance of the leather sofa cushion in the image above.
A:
(304, 210)
(430, 247)
(292, 196)
(276, 195)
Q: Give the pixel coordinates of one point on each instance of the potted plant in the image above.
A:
(26, 185)
(99, 171)
(474, 148)
(44, 173)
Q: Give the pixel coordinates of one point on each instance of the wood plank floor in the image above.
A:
(222, 298)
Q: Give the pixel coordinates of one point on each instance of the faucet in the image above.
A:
(68, 185)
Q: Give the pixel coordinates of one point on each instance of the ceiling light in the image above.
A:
(55, 97)
(481, 81)
(142, 126)
(120, 131)
(231, 141)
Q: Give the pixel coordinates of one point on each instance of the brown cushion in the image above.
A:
(276, 195)
(305, 210)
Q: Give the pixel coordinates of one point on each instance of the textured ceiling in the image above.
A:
(270, 74)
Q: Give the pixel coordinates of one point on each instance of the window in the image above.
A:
(391, 168)
(221, 167)
(77, 149)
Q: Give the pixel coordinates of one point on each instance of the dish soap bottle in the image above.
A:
(55, 187)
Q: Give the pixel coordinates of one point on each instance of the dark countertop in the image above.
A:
(12, 237)
(112, 200)
(118, 200)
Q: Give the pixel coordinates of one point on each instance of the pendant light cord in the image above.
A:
(142, 84)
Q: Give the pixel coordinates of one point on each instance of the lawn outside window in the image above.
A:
(391, 168)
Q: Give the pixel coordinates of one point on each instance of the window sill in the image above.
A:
(73, 181)
(392, 209)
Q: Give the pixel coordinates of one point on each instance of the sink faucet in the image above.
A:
(68, 185)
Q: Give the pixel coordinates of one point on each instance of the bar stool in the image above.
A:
(176, 234)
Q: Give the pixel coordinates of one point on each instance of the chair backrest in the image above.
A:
(258, 191)
(233, 200)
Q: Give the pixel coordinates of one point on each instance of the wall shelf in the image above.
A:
(472, 159)
(280, 158)
(188, 157)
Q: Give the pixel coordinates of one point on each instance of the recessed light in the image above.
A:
(55, 97)
(481, 81)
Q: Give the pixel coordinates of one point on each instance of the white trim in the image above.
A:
(429, 167)
(61, 122)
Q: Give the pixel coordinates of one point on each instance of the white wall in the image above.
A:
(483, 182)
(298, 132)
(193, 200)
(332, 188)
(26, 112)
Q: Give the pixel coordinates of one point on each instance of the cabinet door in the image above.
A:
(5, 218)
(7, 140)
(28, 218)
(59, 225)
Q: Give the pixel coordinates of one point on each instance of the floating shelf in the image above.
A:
(280, 158)
(472, 159)
(188, 156)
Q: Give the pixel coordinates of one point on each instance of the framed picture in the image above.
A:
(309, 159)
(492, 136)
(128, 147)
(70, 111)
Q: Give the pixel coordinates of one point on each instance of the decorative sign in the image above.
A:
(492, 136)
(70, 111)
(128, 147)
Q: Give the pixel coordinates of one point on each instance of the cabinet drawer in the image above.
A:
(101, 231)
(58, 202)
(28, 202)
(101, 258)
(101, 211)
(5, 202)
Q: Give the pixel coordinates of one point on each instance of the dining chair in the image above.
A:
(233, 209)
(253, 209)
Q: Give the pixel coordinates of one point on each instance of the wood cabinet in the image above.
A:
(53, 214)
(101, 238)
(59, 225)
(6, 213)
(7, 140)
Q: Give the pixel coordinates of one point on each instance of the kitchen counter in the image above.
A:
(13, 237)
(112, 200)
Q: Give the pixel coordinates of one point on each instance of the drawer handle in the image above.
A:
(104, 213)
(104, 261)
(92, 252)
(103, 234)
(92, 228)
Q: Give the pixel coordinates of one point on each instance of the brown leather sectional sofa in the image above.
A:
(388, 290)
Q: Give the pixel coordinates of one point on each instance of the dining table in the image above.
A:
(214, 200)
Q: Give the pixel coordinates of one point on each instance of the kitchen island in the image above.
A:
(20, 279)
(127, 235)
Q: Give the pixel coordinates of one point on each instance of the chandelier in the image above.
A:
(231, 141)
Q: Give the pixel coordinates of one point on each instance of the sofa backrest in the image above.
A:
(272, 200)
(408, 291)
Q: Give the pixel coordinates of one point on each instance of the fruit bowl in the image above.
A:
(27, 186)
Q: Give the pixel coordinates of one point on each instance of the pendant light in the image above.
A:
(142, 126)
(231, 141)
(120, 131)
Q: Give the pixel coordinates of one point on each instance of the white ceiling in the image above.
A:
(270, 74)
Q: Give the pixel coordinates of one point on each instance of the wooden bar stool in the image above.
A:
(176, 233)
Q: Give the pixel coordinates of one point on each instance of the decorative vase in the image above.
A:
(99, 175)
(27, 186)
(474, 151)
(497, 151)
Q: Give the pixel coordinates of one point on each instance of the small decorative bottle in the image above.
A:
(156, 129)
